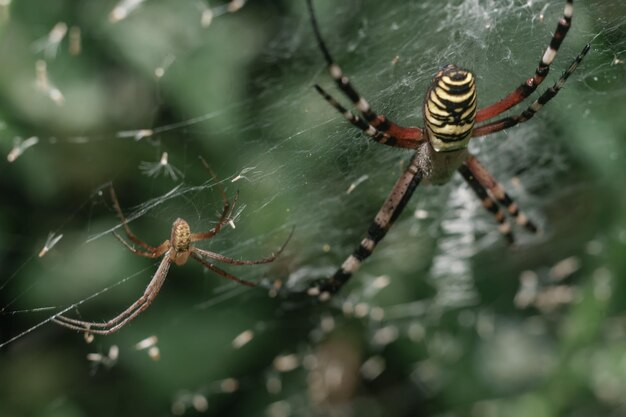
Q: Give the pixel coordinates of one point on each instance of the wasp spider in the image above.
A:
(440, 148)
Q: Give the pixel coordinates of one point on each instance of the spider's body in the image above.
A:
(450, 116)
(450, 109)
(180, 241)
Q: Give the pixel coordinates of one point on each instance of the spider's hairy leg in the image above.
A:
(482, 175)
(227, 209)
(153, 252)
(379, 122)
(217, 183)
(391, 209)
(489, 203)
(220, 271)
(224, 218)
(120, 214)
(530, 85)
(127, 315)
(376, 135)
(537, 105)
(232, 261)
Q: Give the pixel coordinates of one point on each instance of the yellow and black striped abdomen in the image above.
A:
(450, 109)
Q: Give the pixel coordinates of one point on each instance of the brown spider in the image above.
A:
(177, 249)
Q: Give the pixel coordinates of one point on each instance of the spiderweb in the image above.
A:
(443, 319)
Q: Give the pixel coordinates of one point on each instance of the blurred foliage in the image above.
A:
(467, 326)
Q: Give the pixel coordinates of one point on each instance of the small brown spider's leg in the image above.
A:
(527, 114)
(221, 272)
(224, 218)
(105, 331)
(143, 307)
(232, 261)
(127, 315)
(391, 209)
(152, 288)
(154, 252)
(123, 315)
(483, 176)
(376, 135)
(219, 187)
(488, 202)
(227, 209)
(528, 87)
(120, 214)
(378, 121)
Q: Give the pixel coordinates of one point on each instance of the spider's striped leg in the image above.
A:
(221, 258)
(227, 209)
(154, 252)
(388, 213)
(221, 272)
(527, 114)
(129, 233)
(146, 301)
(528, 87)
(224, 218)
(127, 315)
(378, 121)
(480, 173)
(378, 136)
(488, 202)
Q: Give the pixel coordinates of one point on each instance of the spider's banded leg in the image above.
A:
(488, 203)
(101, 328)
(154, 252)
(483, 176)
(232, 261)
(227, 209)
(386, 216)
(221, 272)
(376, 135)
(130, 313)
(224, 218)
(342, 81)
(527, 114)
(87, 327)
(154, 285)
(129, 233)
(378, 121)
(528, 87)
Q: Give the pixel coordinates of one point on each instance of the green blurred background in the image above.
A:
(466, 325)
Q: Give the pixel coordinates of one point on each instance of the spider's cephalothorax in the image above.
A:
(450, 109)
(181, 239)
(440, 148)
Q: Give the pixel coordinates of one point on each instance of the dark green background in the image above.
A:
(461, 346)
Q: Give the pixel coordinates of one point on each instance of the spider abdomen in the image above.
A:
(180, 241)
(450, 109)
